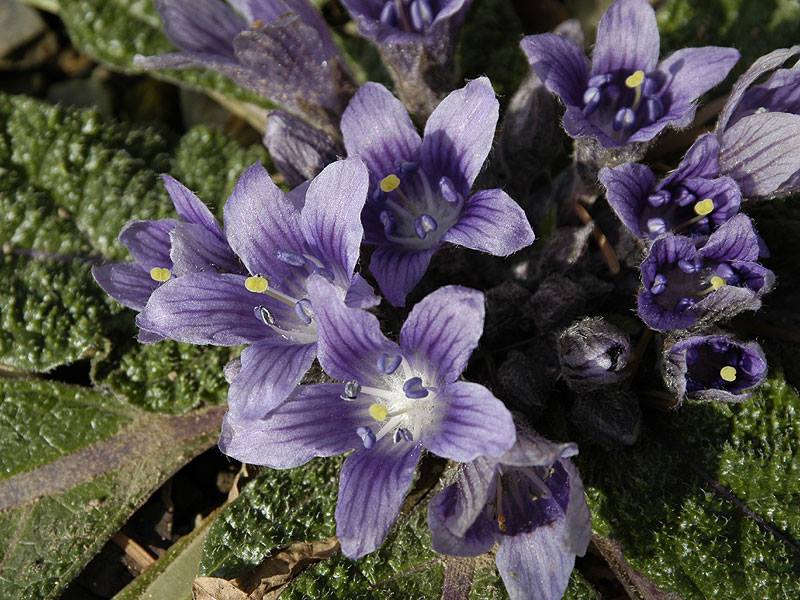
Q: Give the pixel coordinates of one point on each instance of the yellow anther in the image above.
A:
(390, 183)
(717, 282)
(256, 284)
(728, 373)
(160, 274)
(704, 207)
(378, 412)
(635, 79)
(257, 24)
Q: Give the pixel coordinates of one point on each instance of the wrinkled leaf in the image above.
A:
(74, 466)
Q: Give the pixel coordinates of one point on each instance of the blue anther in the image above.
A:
(291, 258)
(591, 99)
(367, 437)
(388, 221)
(659, 198)
(625, 119)
(656, 226)
(448, 191)
(424, 224)
(388, 363)
(303, 310)
(413, 388)
(653, 109)
(351, 390)
(659, 284)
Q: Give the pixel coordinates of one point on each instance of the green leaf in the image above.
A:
(754, 28)
(710, 508)
(74, 466)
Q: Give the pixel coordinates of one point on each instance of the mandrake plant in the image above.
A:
(454, 291)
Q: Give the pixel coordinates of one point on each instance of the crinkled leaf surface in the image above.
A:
(70, 182)
(711, 507)
(74, 464)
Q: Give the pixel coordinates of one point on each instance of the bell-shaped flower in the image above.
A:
(626, 95)
(530, 500)
(421, 188)
(417, 41)
(280, 49)
(159, 252)
(593, 353)
(684, 286)
(759, 127)
(394, 401)
(713, 367)
(281, 240)
(692, 200)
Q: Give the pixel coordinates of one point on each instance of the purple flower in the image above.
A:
(593, 353)
(281, 242)
(417, 40)
(691, 200)
(626, 95)
(759, 127)
(396, 400)
(420, 189)
(684, 285)
(280, 49)
(714, 367)
(531, 501)
(164, 249)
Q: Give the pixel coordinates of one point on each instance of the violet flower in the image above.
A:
(396, 400)
(281, 242)
(417, 41)
(420, 189)
(684, 285)
(692, 200)
(626, 95)
(280, 49)
(714, 367)
(759, 127)
(593, 353)
(163, 249)
(531, 501)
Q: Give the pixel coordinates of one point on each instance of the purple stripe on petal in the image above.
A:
(560, 64)
(190, 208)
(491, 222)
(372, 487)
(735, 240)
(350, 339)
(360, 294)
(471, 423)
(148, 242)
(270, 371)
(627, 38)
(207, 26)
(194, 249)
(398, 272)
(260, 221)
(627, 188)
(443, 329)
(331, 217)
(129, 284)
(312, 422)
(377, 128)
(207, 308)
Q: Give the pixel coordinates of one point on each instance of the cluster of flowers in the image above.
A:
(279, 276)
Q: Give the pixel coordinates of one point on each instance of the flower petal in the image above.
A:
(360, 294)
(270, 371)
(398, 271)
(459, 505)
(190, 208)
(148, 242)
(578, 520)
(259, 221)
(560, 64)
(376, 127)
(459, 133)
(766, 63)
(627, 38)
(128, 283)
(533, 450)
(700, 160)
(536, 564)
(313, 422)
(478, 539)
(372, 487)
(471, 423)
(627, 188)
(299, 150)
(491, 222)
(443, 329)
(735, 240)
(350, 339)
(760, 152)
(207, 26)
(331, 217)
(688, 73)
(206, 308)
(195, 249)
